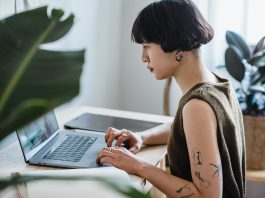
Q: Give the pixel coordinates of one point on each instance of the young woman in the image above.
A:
(206, 147)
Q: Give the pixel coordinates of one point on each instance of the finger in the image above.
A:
(105, 153)
(110, 139)
(134, 149)
(108, 160)
(113, 135)
(105, 148)
(108, 149)
(120, 140)
(108, 133)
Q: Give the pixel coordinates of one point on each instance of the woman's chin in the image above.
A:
(157, 77)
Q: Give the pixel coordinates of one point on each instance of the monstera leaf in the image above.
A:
(33, 80)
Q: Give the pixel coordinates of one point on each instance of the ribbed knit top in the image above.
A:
(230, 136)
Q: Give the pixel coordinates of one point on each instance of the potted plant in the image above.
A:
(246, 64)
(34, 80)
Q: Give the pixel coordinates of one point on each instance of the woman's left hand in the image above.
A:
(120, 158)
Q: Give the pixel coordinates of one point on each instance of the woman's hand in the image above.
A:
(121, 158)
(131, 140)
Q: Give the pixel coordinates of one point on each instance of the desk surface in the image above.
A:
(255, 175)
(11, 157)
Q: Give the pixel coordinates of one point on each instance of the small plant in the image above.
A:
(246, 64)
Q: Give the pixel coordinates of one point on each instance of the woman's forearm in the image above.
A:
(156, 135)
(172, 186)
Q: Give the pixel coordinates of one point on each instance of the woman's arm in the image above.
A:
(156, 135)
(200, 128)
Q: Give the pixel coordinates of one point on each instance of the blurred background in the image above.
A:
(113, 75)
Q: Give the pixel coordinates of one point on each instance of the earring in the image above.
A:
(179, 56)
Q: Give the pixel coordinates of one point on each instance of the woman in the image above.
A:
(206, 148)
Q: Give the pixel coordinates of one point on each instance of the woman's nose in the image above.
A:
(145, 58)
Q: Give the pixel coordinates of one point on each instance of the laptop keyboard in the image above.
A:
(72, 149)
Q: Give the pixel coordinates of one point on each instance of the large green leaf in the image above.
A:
(234, 63)
(33, 80)
(235, 39)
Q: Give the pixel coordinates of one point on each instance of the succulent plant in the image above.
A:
(246, 64)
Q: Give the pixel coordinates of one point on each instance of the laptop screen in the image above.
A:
(36, 133)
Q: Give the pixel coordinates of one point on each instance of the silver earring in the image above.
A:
(179, 56)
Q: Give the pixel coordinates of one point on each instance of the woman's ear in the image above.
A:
(179, 56)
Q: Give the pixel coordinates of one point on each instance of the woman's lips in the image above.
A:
(150, 68)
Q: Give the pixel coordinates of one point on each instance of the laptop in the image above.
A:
(96, 122)
(43, 143)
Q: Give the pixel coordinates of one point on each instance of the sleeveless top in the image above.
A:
(230, 136)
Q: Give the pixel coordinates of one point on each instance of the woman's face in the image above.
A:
(162, 64)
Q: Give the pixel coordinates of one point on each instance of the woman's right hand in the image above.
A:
(126, 137)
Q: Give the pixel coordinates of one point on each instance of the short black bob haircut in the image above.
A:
(174, 24)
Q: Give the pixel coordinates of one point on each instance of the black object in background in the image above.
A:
(101, 123)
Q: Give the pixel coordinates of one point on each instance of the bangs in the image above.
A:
(144, 29)
(173, 24)
(137, 35)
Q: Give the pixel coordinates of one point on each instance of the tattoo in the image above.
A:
(183, 187)
(197, 157)
(218, 171)
(188, 196)
(186, 188)
(203, 182)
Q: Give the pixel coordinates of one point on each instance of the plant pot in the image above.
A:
(255, 142)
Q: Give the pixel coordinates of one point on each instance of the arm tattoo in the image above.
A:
(183, 187)
(218, 171)
(203, 182)
(188, 196)
(197, 157)
(187, 189)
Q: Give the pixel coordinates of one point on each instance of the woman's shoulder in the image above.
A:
(208, 91)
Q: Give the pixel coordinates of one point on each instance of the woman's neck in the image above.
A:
(192, 71)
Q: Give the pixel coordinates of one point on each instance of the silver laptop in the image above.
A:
(43, 143)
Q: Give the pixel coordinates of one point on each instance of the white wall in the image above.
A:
(97, 28)
(139, 90)
(113, 76)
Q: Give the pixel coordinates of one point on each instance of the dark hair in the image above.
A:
(174, 24)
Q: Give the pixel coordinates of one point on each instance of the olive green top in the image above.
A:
(230, 136)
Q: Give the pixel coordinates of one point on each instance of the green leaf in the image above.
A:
(258, 59)
(33, 80)
(259, 45)
(259, 76)
(234, 63)
(236, 40)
